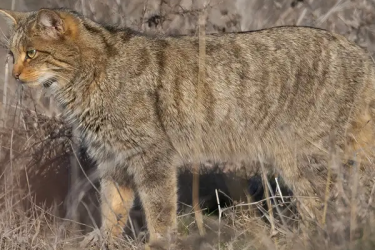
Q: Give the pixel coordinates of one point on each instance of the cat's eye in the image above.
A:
(31, 53)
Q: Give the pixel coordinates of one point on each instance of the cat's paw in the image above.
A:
(91, 239)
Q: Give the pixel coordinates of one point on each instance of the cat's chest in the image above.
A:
(97, 148)
(106, 151)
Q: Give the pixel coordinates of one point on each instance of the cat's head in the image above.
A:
(44, 46)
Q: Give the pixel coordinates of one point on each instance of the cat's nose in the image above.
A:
(16, 75)
(17, 70)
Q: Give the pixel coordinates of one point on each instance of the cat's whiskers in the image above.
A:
(58, 75)
(48, 71)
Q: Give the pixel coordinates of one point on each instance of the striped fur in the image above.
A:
(279, 94)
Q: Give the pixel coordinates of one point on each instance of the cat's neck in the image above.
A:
(85, 91)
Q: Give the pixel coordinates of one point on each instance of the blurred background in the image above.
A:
(48, 163)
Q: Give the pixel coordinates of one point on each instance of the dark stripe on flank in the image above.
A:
(160, 59)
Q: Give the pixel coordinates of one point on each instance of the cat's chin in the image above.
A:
(31, 84)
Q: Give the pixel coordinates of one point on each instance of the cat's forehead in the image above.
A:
(18, 38)
(21, 34)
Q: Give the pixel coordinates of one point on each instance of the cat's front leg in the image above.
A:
(155, 177)
(116, 202)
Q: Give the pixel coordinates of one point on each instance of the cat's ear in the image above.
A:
(12, 17)
(50, 23)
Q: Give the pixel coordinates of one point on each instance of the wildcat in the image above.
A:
(276, 94)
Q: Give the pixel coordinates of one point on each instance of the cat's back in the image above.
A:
(274, 38)
(255, 82)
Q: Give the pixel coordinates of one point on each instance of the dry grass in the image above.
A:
(43, 188)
